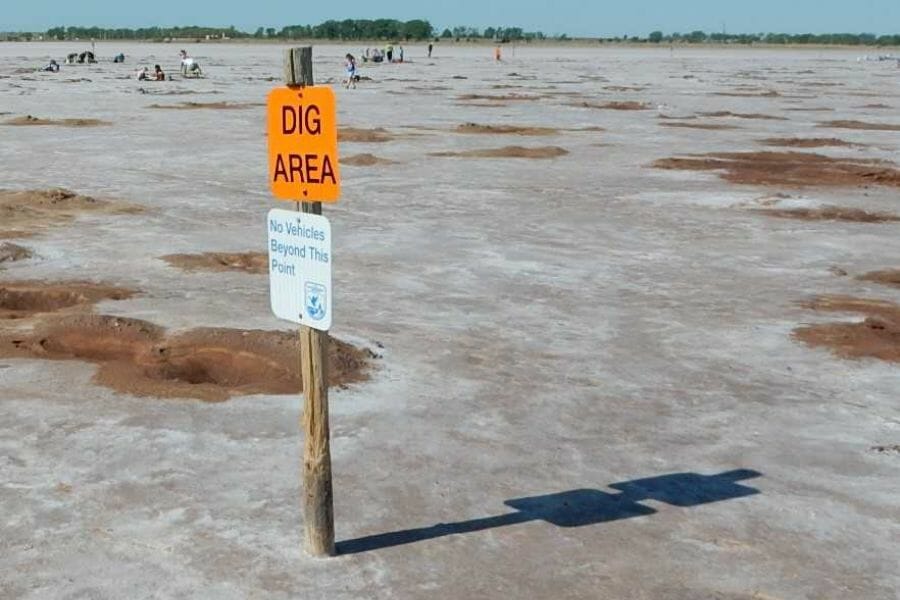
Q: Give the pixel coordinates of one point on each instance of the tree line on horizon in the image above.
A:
(842, 39)
(348, 29)
(420, 30)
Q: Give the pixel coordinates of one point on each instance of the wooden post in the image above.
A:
(318, 503)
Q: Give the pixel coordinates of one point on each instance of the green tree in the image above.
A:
(697, 37)
(655, 37)
(417, 29)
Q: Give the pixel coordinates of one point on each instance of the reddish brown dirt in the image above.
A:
(877, 336)
(831, 213)
(29, 120)
(355, 134)
(24, 213)
(814, 83)
(483, 104)
(627, 105)
(810, 109)
(245, 262)
(506, 129)
(860, 125)
(497, 97)
(202, 105)
(887, 277)
(806, 142)
(749, 94)
(508, 152)
(692, 125)
(728, 113)
(139, 358)
(795, 169)
(25, 299)
(10, 252)
(365, 160)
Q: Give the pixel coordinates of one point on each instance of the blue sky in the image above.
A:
(578, 17)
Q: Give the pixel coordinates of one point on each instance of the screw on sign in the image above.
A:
(302, 132)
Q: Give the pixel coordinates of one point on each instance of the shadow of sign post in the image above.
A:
(581, 507)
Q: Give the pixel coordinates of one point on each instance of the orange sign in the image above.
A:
(303, 159)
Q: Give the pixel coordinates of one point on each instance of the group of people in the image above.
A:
(189, 68)
(377, 56)
(144, 74)
(72, 58)
(80, 58)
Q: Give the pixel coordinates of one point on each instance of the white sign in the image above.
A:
(300, 267)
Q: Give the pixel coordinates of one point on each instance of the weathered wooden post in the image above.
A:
(318, 503)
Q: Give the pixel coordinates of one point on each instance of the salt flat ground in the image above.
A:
(549, 328)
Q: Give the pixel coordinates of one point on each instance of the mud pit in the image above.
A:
(26, 299)
(355, 134)
(210, 364)
(792, 169)
(728, 113)
(506, 129)
(25, 213)
(830, 213)
(860, 125)
(540, 152)
(365, 160)
(29, 120)
(207, 105)
(245, 262)
(620, 105)
(749, 94)
(501, 98)
(807, 142)
(877, 336)
(809, 109)
(889, 277)
(694, 125)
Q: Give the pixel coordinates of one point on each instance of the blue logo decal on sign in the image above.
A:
(315, 300)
